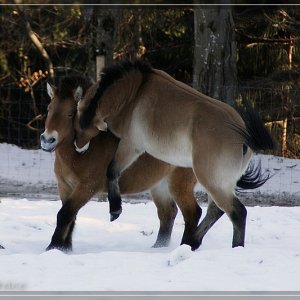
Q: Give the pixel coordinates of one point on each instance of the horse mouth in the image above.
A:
(48, 148)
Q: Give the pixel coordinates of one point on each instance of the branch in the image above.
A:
(36, 118)
(250, 40)
(36, 42)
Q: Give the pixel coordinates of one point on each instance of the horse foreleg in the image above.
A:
(64, 225)
(62, 237)
(213, 214)
(124, 157)
(68, 239)
(113, 191)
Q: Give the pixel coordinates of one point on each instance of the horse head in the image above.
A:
(84, 133)
(59, 125)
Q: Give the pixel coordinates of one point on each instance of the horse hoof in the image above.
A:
(160, 245)
(115, 215)
(193, 244)
(64, 249)
(50, 247)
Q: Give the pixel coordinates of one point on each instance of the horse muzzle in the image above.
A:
(48, 141)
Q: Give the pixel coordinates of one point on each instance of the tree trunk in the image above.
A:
(287, 104)
(102, 24)
(215, 71)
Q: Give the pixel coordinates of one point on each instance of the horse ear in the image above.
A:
(78, 94)
(51, 89)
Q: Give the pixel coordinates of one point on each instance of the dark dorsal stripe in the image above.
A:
(109, 76)
(68, 84)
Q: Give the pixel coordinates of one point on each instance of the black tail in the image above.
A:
(253, 177)
(256, 135)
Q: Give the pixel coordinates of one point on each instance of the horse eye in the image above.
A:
(70, 115)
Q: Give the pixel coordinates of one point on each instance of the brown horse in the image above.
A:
(152, 112)
(79, 177)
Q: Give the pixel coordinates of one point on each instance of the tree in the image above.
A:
(268, 42)
(102, 24)
(215, 53)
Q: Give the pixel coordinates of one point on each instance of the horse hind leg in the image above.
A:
(238, 218)
(182, 182)
(213, 214)
(166, 210)
(236, 212)
(219, 181)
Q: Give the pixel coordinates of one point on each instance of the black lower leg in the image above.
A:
(191, 224)
(213, 214)
(165, 228)
(163, 236)
(62, 235)
(114, 196)
(238, 219)
(68, 239)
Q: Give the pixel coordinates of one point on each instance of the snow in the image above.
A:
(118, 256)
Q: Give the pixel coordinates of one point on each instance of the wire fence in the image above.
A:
(23, 114)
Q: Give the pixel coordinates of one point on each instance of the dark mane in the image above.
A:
(109, 76)
(69, 83)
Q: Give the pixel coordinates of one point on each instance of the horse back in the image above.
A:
(170, 112)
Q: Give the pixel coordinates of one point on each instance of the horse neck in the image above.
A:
(66, 150)
(120, 94)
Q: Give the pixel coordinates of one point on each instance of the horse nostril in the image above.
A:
(51, 140)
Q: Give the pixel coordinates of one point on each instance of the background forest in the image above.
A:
(230, 53)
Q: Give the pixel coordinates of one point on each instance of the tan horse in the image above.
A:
(152, 112)
(79, 177)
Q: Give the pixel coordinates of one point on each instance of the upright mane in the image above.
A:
(109, 75)
(69, 83)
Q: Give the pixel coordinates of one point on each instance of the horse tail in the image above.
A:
(258, 138)
(256, 135)
(253, 177)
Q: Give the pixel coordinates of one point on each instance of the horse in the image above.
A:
(152, 112)
(79, 177)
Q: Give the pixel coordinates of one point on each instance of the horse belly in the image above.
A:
(177, 152)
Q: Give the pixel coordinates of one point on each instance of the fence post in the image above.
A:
(100, 63)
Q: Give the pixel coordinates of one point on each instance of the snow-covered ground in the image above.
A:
(118, 256)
